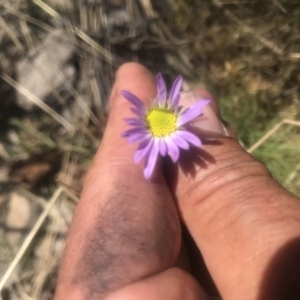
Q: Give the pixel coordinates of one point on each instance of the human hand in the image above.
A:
(125, 239)
(125, 228)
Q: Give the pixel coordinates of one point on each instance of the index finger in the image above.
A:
(125, 228)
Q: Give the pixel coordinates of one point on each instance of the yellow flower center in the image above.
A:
(161, 122)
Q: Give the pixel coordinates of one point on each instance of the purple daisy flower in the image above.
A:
(160, 129)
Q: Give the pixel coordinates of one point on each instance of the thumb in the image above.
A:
(237, 214)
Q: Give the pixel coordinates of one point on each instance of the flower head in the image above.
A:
(161, 128)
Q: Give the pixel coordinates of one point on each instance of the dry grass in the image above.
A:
(246, 52)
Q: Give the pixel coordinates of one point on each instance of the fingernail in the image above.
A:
(209, 121)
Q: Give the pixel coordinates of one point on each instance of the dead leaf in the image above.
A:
(38, 169)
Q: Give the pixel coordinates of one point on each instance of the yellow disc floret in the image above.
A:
(161, 121)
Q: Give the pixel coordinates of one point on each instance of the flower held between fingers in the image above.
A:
(161, 128)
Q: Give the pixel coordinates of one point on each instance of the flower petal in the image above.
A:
(189, 137)
(176, 101)
(151, 161)
(162, 147)
(161, 90)
(187, 116)
(173, 150)
(142, 150)
(137, 137)
(175, 90)
(192, 112)
(135, 122)
(131, 131)
(134, 100)
(179, 141)
(137, 112)
(200, 104)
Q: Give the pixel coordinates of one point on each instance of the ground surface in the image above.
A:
(57, 62)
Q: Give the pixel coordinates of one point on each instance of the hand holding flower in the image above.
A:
(126, 235)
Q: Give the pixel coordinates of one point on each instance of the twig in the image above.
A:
(30, 238)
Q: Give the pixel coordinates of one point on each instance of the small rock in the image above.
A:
(48, 70)
(18, 219)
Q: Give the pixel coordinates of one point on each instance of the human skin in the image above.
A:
(125, 239)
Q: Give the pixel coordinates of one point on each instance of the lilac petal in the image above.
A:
(187, 116)
(176, 101)
(200, 104)
(137, 112)
(142, 150)
(151, 161)
(134, 100)
(189, 137)
(173, 150)
(161, 90)
(137, 137)
(179, 141)
(192, 112)
(175, 90)
(131, 131)
(162, 147)
(135, 122)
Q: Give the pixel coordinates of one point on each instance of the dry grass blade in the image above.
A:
(25, 193)
(26, 32)
(279, 5)
(157, 27)
(30, 237)
(71, 195)
(44, 266)
(271, 132)
(248, 29)
(38, 102)
(40, 201)
(85, 107)
(29, 19)
(146, 4)
(291, 177)
(67, 83)
(104, 53)
(11, 34)
(47, 9)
